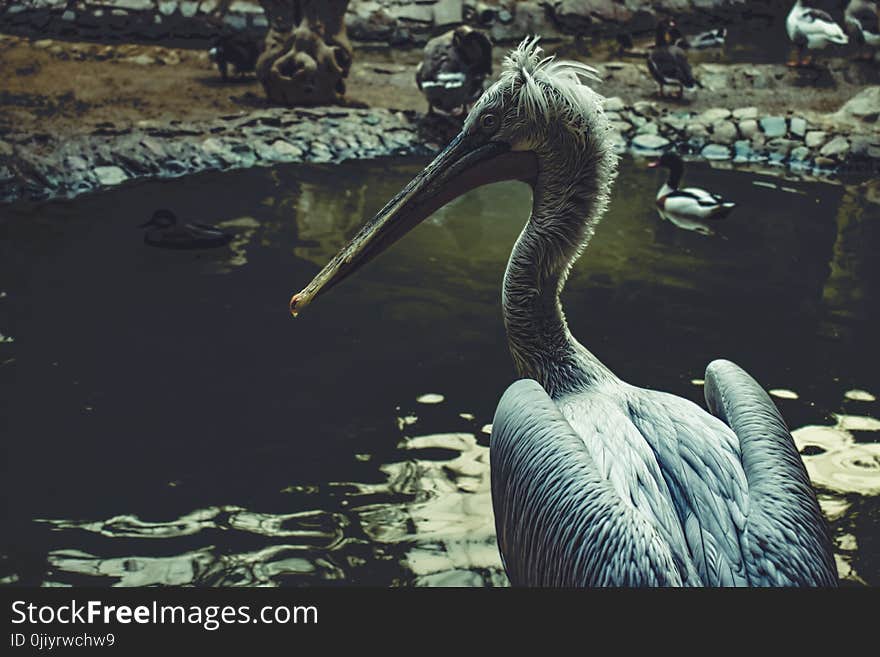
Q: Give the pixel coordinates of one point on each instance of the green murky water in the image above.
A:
(166, 422)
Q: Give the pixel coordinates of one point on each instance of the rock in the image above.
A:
(774, 126)
(697, 131)
(745, 113)
(620, 126)
(724, 132)
(825, 162)
(676, 121)
(815, 138)
(645, 108)
(748, 128)
(110, 175)
(134, 5)
(141, 60)
(286, 149)
(167, 7)
(68, 16)
(797, 126)
(715, 152)
(188, 8)
(837, 147)
(864, 106)
(650, 142)
(447, 12)
(713, 115)
(613, 104)
(781, 146)
(649, 128)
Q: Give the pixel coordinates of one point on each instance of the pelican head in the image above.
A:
(538, 124)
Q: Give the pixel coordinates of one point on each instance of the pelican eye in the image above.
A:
(489, 122)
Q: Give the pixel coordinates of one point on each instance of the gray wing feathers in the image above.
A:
(786, 539)
(559, 523)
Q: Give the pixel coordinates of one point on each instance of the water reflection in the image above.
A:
(431, 517)
(197, 435)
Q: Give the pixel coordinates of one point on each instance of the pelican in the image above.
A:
(596, 481)
(164, 231)
(812, 29)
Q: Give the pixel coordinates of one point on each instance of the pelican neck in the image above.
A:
(540, 341)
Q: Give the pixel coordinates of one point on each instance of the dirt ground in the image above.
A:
(63, 87)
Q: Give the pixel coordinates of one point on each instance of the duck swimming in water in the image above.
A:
(166, 232)
(690, 208)
(811, 29)
(597, 482)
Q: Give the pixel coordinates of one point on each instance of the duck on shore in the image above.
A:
(811, 29)
(235, 49)
(690, 208)
(454, 69)
(668, 64)
(704, 40)
(863, 25)
(165, 231)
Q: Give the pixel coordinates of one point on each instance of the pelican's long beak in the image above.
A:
(468, 162)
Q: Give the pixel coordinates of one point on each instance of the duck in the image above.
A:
(238, 50)
(165, 231)
(811, 29)
(668, 64)
(710, 39)
(453, 70)
(863, 25)
(690, 208)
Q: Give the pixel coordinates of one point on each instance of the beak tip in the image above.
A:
(296, 304)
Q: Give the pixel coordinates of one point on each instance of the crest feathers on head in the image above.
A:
(544, 88)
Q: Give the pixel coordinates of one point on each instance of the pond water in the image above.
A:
(166, 421)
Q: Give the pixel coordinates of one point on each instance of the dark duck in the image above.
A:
(165, 231)
(668, 63)
(454, 69)
(235, 49)
(690, 208)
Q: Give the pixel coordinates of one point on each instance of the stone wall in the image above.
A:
(396, 22)
(843, 142)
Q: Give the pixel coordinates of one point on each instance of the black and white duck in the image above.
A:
(863, 25)
(165, 231)
(702, 41)
(811, 29)
(690, 208)
(668, 63)
(454, 68)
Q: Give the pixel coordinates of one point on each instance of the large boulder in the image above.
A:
(864, 106)
(307, 55)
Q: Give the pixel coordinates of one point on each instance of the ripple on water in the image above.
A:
(835, 461)
(431, 519)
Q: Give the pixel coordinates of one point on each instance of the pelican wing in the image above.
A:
(786, 541)
(559, 521)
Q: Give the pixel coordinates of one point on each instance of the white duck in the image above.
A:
(690, 208)
(811, 29)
